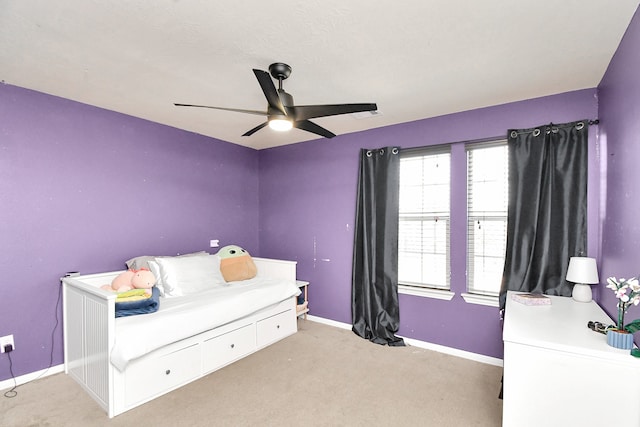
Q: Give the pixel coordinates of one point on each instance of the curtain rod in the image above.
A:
(411, 150)
(590, 122)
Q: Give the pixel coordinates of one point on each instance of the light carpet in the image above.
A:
(321, 376)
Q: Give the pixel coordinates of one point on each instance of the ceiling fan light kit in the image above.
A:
(282, 114)
(281, 125)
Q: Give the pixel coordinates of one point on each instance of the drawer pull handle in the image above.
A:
(167, 372)
(233, 345)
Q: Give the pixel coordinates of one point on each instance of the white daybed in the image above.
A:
(109, 359)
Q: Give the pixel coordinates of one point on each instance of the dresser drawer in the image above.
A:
(149, 377)
(224, 349)
(276, 327)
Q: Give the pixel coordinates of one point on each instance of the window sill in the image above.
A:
(426, 292)
(487, 300)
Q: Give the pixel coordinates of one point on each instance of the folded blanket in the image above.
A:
(138, 306)
(132, 293)
(133, 298)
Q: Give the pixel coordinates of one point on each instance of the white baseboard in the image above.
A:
(329, 322)
(32, 376)
(422, 344)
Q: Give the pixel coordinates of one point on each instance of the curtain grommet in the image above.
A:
(382, 151)
(369, 153)
(536, 132)
(579, 126)
(514, 134)
(395, 150)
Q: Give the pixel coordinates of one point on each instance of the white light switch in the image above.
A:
(214, 243)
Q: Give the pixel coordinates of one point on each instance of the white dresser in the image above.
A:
(558, 372)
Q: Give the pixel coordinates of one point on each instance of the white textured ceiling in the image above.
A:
(415, 58)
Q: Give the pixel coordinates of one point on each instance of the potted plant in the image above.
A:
(628, 293)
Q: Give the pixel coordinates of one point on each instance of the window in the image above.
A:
(487, 197)
(423, 242)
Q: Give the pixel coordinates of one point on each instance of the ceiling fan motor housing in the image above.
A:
(285, 98)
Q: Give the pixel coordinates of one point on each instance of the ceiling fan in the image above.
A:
(282, 114)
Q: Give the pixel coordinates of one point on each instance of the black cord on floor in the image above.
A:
(13, 393)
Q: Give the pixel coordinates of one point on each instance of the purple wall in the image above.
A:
(619, 94)
(83, 188)
(307, 210)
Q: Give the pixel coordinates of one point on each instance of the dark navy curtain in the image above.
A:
(547, 214)
(374, 302)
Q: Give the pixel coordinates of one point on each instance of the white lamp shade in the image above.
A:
(582, 270)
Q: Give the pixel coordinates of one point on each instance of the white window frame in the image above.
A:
(425, 289)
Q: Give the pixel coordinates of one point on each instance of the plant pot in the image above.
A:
(620, 339)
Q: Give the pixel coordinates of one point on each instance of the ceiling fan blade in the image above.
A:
(269, 90)
(304, 112)
(255, 129)
(309, 126)
(237, 110)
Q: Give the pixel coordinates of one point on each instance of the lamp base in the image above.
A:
(582, 293)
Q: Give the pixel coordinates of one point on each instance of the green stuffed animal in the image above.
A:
(236, 264)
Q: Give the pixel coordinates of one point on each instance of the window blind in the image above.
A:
(424, 210)
(487, 202)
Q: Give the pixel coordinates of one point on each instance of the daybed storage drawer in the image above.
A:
(276, 327)
(224, 349)
(160, 374)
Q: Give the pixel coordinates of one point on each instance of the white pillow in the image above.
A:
(139, 262)
(155, 269)
(188, 275)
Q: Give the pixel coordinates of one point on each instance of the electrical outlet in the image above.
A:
(6, 340)
(214, 243)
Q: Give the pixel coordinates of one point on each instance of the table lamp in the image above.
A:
(583, 272)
